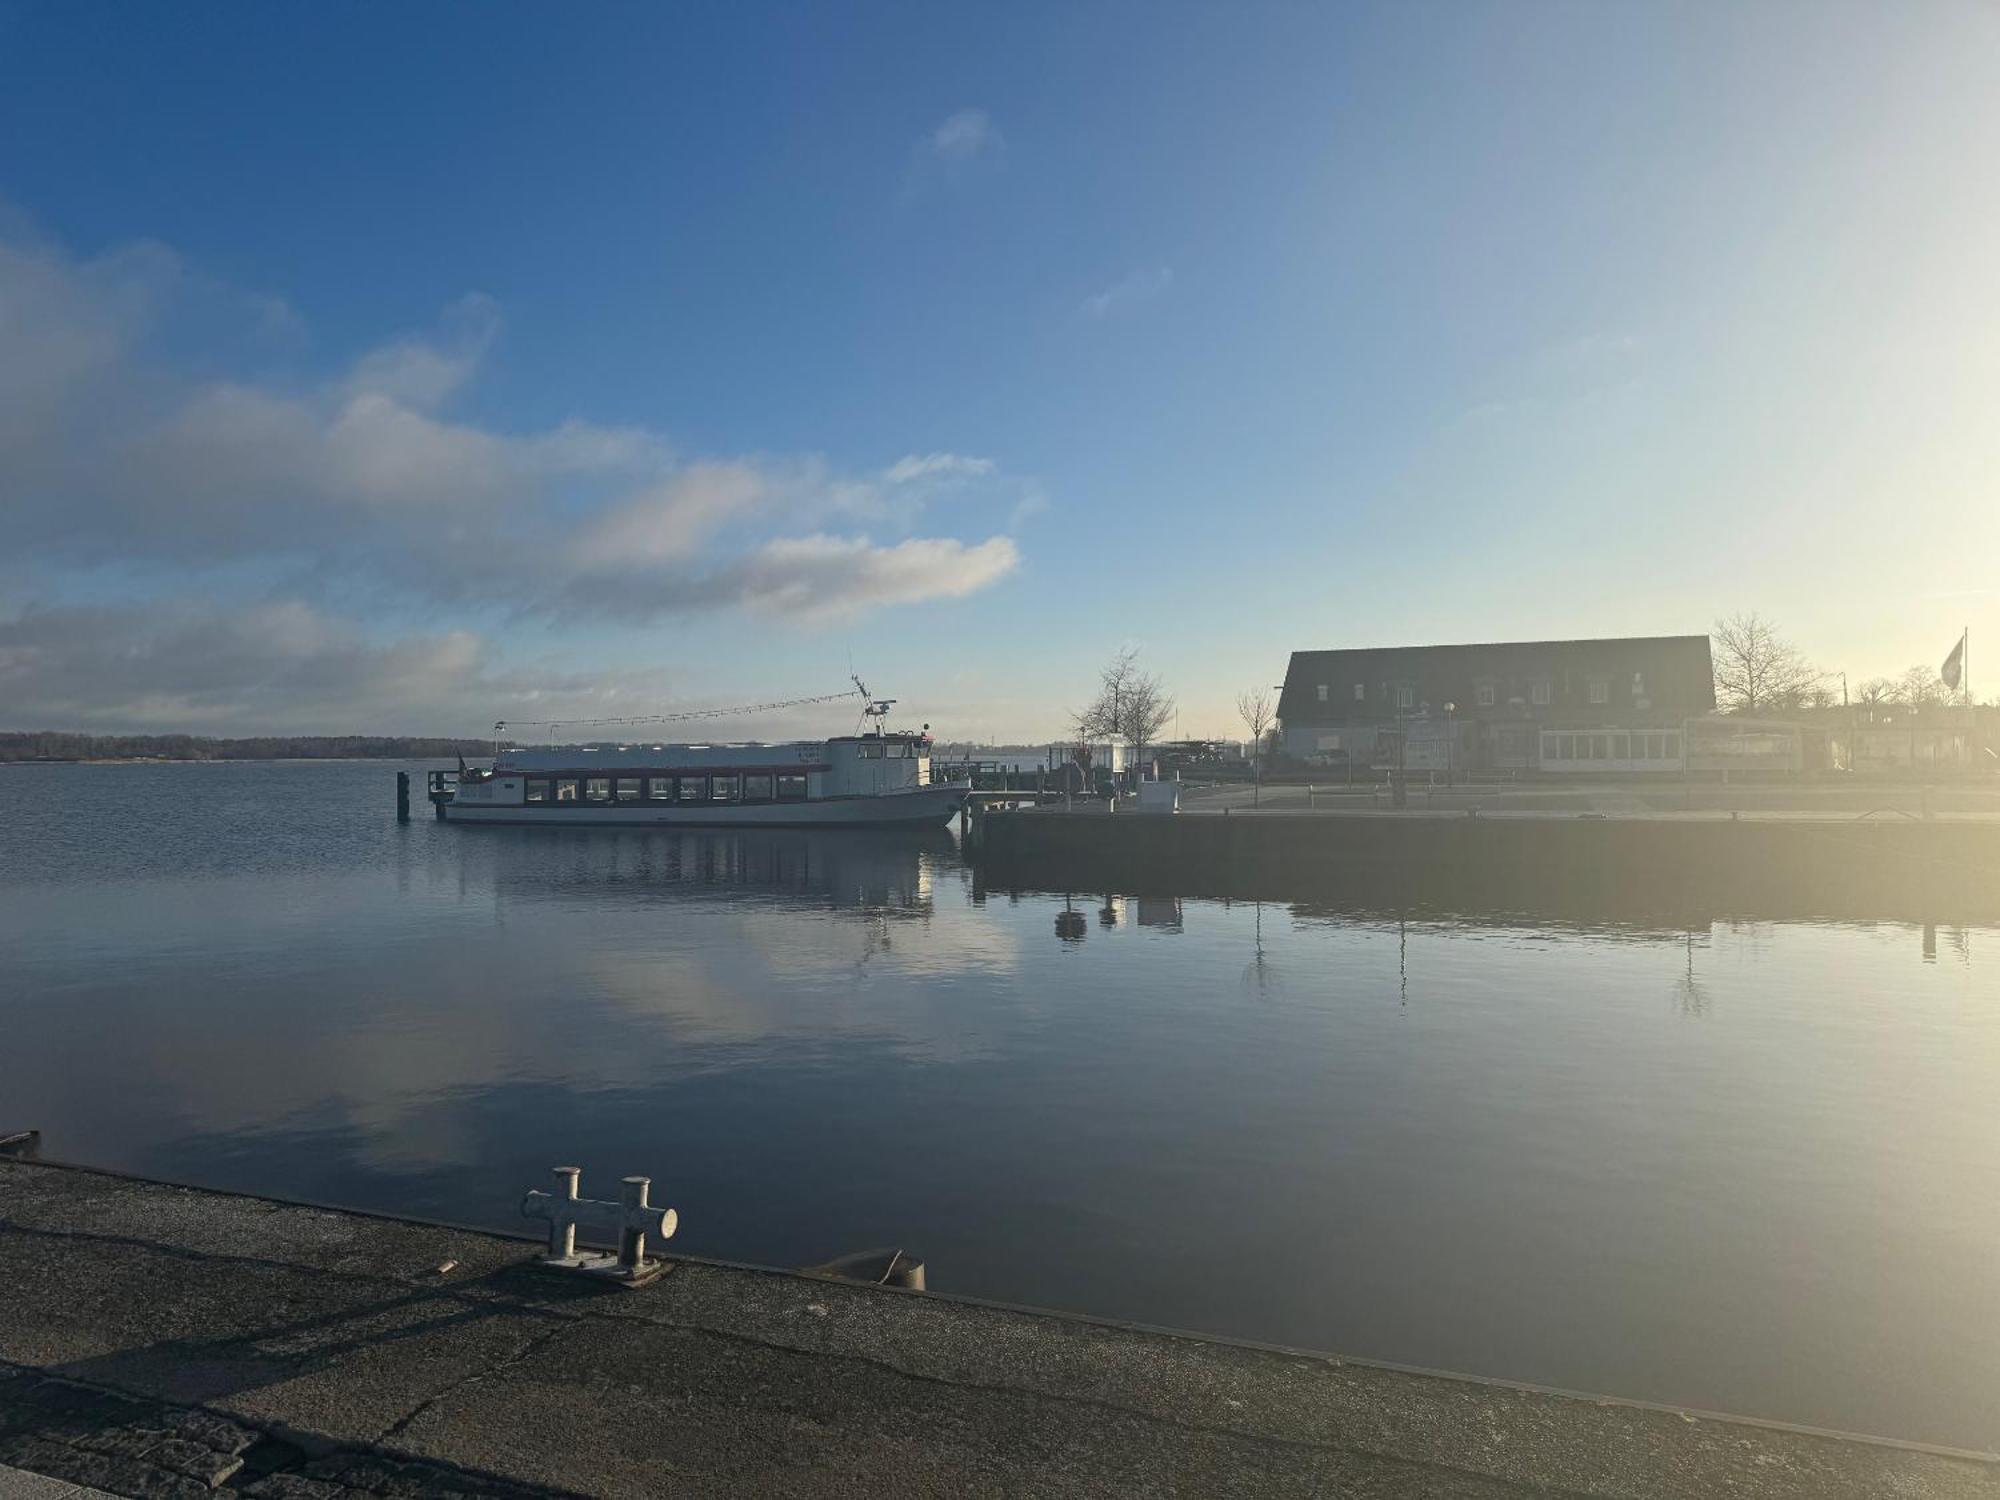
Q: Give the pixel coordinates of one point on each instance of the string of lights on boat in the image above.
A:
(876, 708)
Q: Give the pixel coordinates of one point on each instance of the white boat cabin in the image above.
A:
(572, 777)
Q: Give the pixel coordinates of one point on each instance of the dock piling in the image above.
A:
(402, 796)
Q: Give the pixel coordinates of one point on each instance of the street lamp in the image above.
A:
(1450, 735)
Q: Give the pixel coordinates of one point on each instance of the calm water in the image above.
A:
(1749, 1167)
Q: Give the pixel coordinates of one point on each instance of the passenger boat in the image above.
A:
(871, 779)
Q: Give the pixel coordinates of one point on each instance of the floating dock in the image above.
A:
(161, 1341)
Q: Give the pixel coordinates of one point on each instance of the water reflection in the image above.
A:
(1475, 1139)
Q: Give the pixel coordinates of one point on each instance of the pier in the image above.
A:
(162, 1341)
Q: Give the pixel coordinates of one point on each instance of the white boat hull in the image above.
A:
(918, 807)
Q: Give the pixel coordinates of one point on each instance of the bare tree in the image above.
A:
(1130, 704)
(1920, 687)
(1756, 669)
(1877, 691)
(1255, 708)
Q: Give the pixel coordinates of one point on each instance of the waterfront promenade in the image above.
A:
(159, 1341)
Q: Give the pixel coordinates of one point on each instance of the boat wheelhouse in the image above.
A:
(873, 779)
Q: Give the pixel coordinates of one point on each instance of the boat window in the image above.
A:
(791, 786)
(693, 788)
(725, 788)
(630, 788)
(659, 788)
(871, 749)
(534, 791)
(566, 789)
(757, 787)
(597, 789)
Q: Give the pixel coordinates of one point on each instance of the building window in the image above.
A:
(1322, 692)
(757, 788)
(1406, 696)
(597, 789)
(566, 789)
(1565, 747)
(1549, 746)
(691, 788)
(1360, 692)
(1541, 692)
(630, 788)
(1484, 693)
(725, 788)
(1673, 747)
(1600, 747)
(534, 791)
(660, 788)
(791, 786)
(1600, 690)
(1623, 749)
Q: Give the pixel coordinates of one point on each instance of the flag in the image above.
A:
(1954, 665)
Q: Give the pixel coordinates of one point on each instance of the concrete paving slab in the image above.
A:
(18, 1484)
(336, 1338)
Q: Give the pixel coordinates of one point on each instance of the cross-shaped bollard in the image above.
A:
(629, 1220)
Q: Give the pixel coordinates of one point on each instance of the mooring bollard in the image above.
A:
(631, 1219)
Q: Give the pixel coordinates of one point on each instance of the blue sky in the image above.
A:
(400, 368)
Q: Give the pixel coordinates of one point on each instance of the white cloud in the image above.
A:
(1140, 286)
(110, 455)
(962, 136)
(417, 373)
(830, 575)
(284, 666)
(915, 466)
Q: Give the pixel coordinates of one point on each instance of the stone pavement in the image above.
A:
(19, 1484)
(159, 1341)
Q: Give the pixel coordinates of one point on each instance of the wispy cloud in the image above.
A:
(962, 136)
(916, 466)
(1140, 286)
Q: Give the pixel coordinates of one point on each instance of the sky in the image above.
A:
(396, 369)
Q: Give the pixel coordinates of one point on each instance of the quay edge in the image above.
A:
(1770, 867)
(337, 1341)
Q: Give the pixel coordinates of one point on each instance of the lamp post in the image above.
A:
(1450, 739)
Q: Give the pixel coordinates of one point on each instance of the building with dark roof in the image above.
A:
(1432, 707)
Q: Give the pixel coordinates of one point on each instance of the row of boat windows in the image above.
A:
(722, 786)
(891, 750)
(1665, 746)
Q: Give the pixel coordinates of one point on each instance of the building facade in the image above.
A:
(1509, 705)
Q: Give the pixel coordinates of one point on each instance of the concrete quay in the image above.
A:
(1772, 866)
(163, 1341)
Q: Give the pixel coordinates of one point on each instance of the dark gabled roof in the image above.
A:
(1680, 662)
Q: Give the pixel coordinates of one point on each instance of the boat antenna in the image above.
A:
(871, 708)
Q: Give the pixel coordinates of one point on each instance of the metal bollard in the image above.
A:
(631, 1219)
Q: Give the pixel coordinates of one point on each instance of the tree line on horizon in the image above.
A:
(58, 745)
